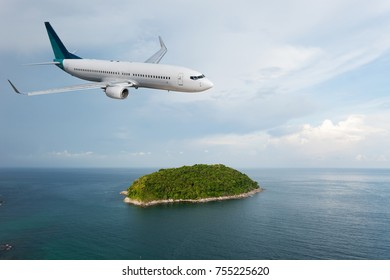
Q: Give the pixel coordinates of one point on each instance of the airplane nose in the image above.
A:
(208, 84)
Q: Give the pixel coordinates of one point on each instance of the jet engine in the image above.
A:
(117, 92)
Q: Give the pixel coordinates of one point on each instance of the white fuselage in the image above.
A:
(148, 75)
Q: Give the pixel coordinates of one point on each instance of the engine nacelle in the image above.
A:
(117, 92)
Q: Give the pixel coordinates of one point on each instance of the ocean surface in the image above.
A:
(302, 214)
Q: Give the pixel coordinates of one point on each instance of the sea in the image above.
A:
(302, 214)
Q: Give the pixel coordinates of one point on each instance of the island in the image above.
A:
(197, 183)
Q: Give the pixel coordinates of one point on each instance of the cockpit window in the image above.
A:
(197, 77)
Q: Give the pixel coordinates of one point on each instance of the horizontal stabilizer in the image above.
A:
(43, 63)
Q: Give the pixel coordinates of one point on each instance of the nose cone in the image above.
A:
(207, 84)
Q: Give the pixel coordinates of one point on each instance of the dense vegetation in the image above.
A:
(191, 182)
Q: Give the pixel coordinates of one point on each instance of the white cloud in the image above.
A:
(66, 154)
(140, 154)
(281, 60)
(346, 140)
(333, 136)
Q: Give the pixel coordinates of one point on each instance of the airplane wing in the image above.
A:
(63, 89)
(101, 85)
(158, 55)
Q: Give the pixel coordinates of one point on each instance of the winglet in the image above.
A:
(158, 55)
(162, 43)
(15, 89)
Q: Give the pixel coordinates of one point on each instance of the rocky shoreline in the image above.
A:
(202, 200)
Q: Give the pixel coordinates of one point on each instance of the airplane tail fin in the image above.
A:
(60, 51)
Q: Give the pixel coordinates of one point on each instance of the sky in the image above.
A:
(296, 84)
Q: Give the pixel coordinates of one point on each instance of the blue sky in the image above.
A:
(297, 84)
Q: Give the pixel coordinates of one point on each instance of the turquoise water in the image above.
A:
(302, 214)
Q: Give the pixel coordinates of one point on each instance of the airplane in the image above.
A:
(116, 77)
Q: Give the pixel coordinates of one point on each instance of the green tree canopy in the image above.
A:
(191, 182)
